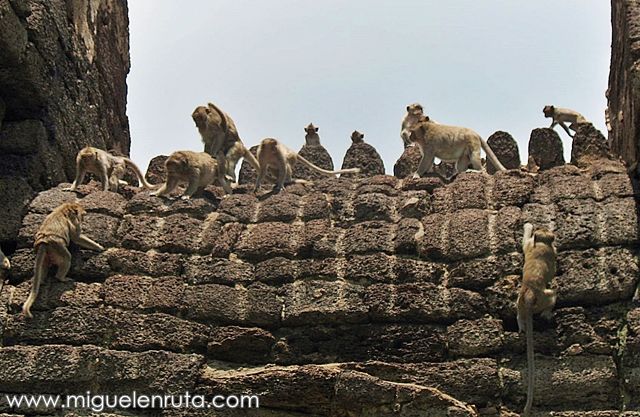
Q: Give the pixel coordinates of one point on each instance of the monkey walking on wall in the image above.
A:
(109, 168)
(222, 142)
(198, 169)
(559, 116)
(60, 227)
(274, 155)
(449, 143)
(535, 296)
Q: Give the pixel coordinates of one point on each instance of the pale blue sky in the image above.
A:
(276, 65)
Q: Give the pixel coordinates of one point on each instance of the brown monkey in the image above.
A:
(535, 296)
(415, 114)
(221, 141)
(560, 115)
(273, 154)
(199, 169)
(449, 143)
(110, 168)
(311, 138)
(62, 225)
(4, 261)
(357, 137)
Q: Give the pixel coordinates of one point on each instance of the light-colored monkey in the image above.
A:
(357, 137)
(415, 113)
(312, 138)
(60, 227)
(109, 168)
(449, 143)
(560, 116)
(274, 155)
(221, 141)
(535, 296)
(199, 169)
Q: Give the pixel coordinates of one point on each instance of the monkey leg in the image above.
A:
(104, 177)
(463, 163)
(546, 303)
(527, 237)
(426, 163)
(222, 180)
(80, 173)
(63, 260)
(566, 129)
(194, 180)
(261, 174)
(167, 187)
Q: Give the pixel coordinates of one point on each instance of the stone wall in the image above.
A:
(373, 296)
(63, 68)
(624, 79)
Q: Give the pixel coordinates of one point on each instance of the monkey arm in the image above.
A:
(527, 237)
(75, 233)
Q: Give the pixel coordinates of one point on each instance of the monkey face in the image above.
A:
(548, 111)
(311, 129)
(200, 115)
(357, 137)
(415, 109)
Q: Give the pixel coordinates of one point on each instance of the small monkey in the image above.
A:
(415, 113)
(4, 261)
(199, 169)
(535, 296)
(311, 138)
(110, 168)
(221, 141)
(560, 116)
(273, 154)
(60, 227)
(357, 137)
(449, 143)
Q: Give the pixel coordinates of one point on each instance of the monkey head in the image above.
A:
(357, 137)
(415, 109)
(311, 129)
(548, 111)
(544, 236)
(200, 115)
(269, 143)
(74, 211)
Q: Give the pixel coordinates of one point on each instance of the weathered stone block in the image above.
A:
(545, 147)
(505, 147)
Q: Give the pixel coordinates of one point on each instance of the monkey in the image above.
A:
(415, 113)
(273, 154)
(449, 143)
(559, 116)
(62, 225)
(357, 137)
(221, 141)
(312, 138)
(535, 296)
(199, 169)
(110, 168)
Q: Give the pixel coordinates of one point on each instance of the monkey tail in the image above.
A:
(252, 159)
(492, 156)
(138, 173)
(326, 172)
(530, 364)
(38, 276)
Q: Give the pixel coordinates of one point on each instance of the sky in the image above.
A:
(275, 66)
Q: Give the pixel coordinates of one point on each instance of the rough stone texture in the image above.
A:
(364, 156)
(624, 78)
(506, 149)
(327, 300)
(317, 155)
(589, 145)
(545, 146)
(406, 165)
(63, 66)
(156, 173)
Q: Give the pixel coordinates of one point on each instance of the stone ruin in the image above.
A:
(370, 296)
(364, 156)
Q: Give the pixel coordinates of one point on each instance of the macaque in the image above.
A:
(274, 155)
(4, 261)
(60, 227)
(357, 137)
(199, 169)
(560, 116)
(221, 141)
(109, 168)
(535, 296)
(415, 113)
(449, 143)
(311, 138)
